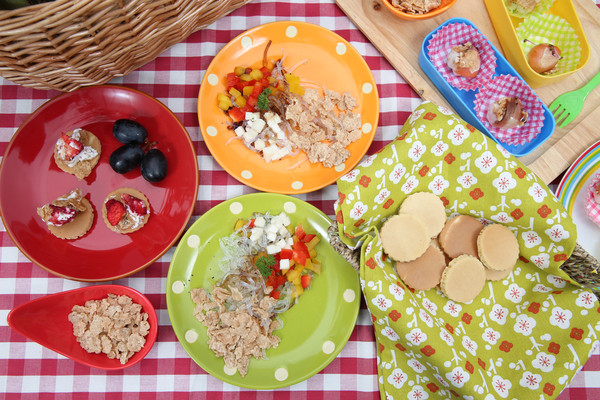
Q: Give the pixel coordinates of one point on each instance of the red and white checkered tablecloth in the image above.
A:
(30, 371)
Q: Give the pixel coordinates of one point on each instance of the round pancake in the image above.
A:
(459, 236)
(425, 272)
(429, 208)
(404, 237)
(497, 247)
(463, 279)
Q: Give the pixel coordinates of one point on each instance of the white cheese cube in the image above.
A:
(282, 152)
(290, 242)
(284, 264)
(285, 219)
(283, 231)
(250, 134)
(269, 152)
(259, 222)
(258, 124)
(250, 116)
(281, 243)
(271, 236)
(271, 228)
(259, 144)
(273, 249)
(256, 234)
(240, 131)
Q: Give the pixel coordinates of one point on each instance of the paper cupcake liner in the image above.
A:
(511, 86)
(541, 7)
(552, 29)
(592, 208)
(451, 35)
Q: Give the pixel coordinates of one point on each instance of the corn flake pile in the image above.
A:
(115, 326)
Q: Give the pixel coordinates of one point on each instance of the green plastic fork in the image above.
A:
(568, 105)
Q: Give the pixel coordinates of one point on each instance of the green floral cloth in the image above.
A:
(523, 337)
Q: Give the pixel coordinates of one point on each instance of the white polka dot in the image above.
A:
(211, 131)
(367, 88)
(246, 174)
(297, 185)
(340, 167)
(289, 207)
(328, 347)
(367, 127)
(229, 371)
(246, 42)
(340, 49)
(281, 374)
(191, 336)
(178, 287)
(291, 31)
(349, 295)
(193, 241)
(212, 79)
(236, 207)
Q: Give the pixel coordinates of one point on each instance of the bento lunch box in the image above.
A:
(463, 101)
(561, 16)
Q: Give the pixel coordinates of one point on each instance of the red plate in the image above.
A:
(29, 178)
(45, 321)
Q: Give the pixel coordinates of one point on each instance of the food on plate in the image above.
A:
(404, 237)
(497, 247)
(125, 210)
(114, 325)
(521, 7)
(592, 200)
(507, 113)
(77, 152)
(543, 57)
(268, 264)
(137, 151)
(459, 236)
(126, 158)
(416, 6)
(68, 217)
(463, 279)
(154, 166)
(464, 60)
(429, 208)
(425, 272)
(128, 131)
(275, 116)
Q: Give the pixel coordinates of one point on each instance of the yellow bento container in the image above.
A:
(508, 28)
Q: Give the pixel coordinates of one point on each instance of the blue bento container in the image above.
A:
(463, 101)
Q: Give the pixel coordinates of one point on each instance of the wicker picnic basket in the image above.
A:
(67, 44)
(582, 267)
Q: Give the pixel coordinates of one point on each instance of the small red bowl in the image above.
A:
(45, 321)
(446, 4)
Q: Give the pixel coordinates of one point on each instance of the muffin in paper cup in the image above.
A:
(516, 10)
(510, 86)
(551, 29)
(451, 35)
(592, 200)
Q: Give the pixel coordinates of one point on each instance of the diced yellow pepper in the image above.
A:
(256, 74)
(239, 223)
(240, 101)
(225, 105)
(239, 71)
(312, 253)
(246, 77)
(234, 92)
(247, 90)
(299, 289)
(316, 267)
(222, 97)
(271, 80)
(292, 275)
(312, 243)
(296, 88)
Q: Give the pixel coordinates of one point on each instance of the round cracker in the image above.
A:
(463, 279)
(497, 247)
(429, 208)
(404, 237)
(425, 272)
(84, 167)
(116, 194)
(459, 236)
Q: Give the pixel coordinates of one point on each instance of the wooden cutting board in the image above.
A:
(400, 43)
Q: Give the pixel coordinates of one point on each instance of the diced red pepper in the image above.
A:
(286, 254)
(236, 114)
(305, 281)
(299, 257)
(231, 80)
(265, 71)
(251, 223)
(264, 82)
(257, 90)
(308, 237)
(251, 101)
(275, 294)
(300, 232)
